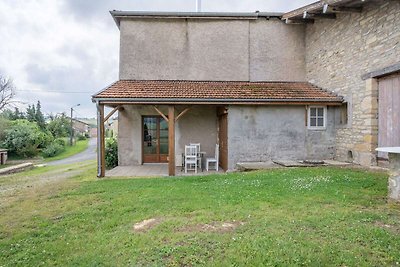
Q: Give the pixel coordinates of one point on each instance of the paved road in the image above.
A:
(88, 154)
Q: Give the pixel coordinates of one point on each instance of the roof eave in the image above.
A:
(299, 101)
(118, 15)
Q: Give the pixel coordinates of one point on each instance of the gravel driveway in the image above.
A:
(88, 154)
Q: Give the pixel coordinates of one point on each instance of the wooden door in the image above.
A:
(223, 139)
(155, 139)
(389, 112)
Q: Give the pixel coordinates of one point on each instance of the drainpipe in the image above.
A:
(98, 140)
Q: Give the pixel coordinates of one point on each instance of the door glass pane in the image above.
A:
(155, 136)
(150, 135)
(164, 148)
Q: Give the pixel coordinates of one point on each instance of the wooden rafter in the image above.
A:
(162, 114)
(119, 107)
(333, 9)
(182, 113)
(308, 15)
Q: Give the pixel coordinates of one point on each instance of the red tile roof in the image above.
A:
(210, 91)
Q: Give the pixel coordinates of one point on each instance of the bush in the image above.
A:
(81, 137)
(53, 149)
(61, 141)
(111, 153)
(23, 138)
(4, 125)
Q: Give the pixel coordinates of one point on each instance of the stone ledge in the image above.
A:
(16, 168)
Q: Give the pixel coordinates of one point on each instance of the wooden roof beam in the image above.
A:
(299, 21)
(337, 9)
(308, 15)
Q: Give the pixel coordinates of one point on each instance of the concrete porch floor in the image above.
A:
(153, 170)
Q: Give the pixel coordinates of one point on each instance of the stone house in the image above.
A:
(319, 82)
(80, 127)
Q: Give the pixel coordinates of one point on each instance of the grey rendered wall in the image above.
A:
(199, 125)
(212, 49)
(276, 133)
(339, 52)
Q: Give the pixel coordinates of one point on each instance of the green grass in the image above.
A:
(5, 166)
(79, 147)
(283, 217)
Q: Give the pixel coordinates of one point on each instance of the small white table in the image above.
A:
(394, 165)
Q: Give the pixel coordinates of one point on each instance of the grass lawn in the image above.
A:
(282, 217)
(79, 147)
(5, 166)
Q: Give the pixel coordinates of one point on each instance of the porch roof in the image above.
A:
(214, 92)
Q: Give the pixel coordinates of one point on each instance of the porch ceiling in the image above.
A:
(212, 92)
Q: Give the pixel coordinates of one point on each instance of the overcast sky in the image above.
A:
(61, 52)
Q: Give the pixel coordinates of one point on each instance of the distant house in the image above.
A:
(319, 82)
(80, 127)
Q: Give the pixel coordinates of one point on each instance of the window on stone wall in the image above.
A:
(317, 117)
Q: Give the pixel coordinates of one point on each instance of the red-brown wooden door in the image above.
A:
(389, 112)
(155, 139)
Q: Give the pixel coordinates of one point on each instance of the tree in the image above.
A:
(59, 126)
(39, 116)
(7, 92)
(31, 113)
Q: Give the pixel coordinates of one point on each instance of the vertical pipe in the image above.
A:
(100, 142)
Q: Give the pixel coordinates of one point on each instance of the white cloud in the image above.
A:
(73, 45)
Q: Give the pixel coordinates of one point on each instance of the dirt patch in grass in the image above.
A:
(146, 225)
(391, 228)
(217, 227)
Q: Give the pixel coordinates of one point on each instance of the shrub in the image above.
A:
(60, 141)
(111, 153)
(23, 138)
(4, 125)
(53, 149)
(81, 137)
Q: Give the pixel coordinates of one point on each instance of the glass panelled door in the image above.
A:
(155, 139)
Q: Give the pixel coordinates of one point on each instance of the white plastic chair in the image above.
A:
(213, 160)
(198, 153)
(190, 157)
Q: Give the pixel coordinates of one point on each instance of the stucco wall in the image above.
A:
(339, 52)
(277, 133)
(199, 125)
(212, 49)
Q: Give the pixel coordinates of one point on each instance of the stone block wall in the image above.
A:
(338, 53)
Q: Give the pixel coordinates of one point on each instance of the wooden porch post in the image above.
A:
(171, 140)
(101, 162)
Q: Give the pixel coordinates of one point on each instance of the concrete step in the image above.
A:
(16, 168)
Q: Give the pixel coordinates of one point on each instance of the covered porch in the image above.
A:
(152, 137)
(158, 118)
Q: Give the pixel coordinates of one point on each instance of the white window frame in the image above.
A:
(309, 118)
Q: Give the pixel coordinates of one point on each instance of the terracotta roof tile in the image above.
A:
(216, 91)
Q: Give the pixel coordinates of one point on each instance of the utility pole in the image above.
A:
(71, 136)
